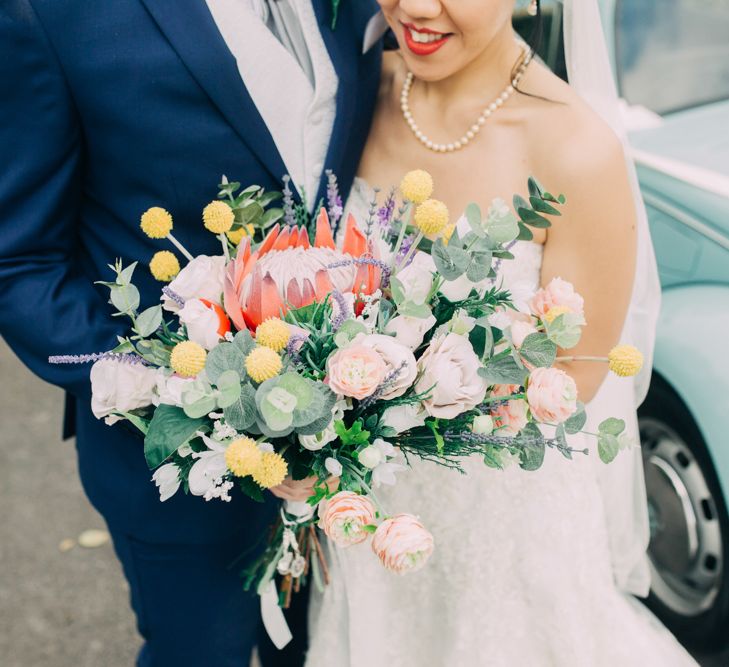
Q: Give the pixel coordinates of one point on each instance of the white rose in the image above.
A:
(202, 323)
(417, 277)
(202, 278)
(319, 440)
(483, 425)
(396, 356)
(370, 457)
(170, 388)
(120, 386)
(404, 417)
(410, 331)
(450, 373)
(334, 467)
(167, 479)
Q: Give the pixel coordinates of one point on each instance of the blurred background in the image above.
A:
(63, 600)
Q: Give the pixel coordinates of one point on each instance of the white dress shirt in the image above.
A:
(299, 115)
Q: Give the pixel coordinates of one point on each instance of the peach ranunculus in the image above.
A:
(344, 517)
(511, 416)
(449, 370)
(557, 294)
(552, 395)
(355, 371)
(402, 544)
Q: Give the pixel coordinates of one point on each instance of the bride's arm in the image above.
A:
(594, 246)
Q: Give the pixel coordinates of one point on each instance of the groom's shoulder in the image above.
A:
(67, 17)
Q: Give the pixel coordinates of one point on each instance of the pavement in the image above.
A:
(61, 604)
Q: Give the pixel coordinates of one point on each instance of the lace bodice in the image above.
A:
(521, 573)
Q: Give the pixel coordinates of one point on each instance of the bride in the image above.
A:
(529, 568)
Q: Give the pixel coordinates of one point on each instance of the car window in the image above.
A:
(672, 54)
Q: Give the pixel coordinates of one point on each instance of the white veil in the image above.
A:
(622, 483)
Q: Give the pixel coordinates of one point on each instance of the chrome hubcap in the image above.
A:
(685, 549)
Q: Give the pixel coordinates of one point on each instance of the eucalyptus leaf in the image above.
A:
(149, 321)
(125, 298)
(531, 448)
(535, 188)
(241, 414)
(418, 310)
(525, 234)
(473, 215)
(503, 228)
(244, 341)
(538, 350)
(125, 275)
(443, 262)
(480, 267)
(543, 207)
(577, 421)
(169, 429)
(200, 407)
(225, 357)
(607, 447)
(503, 370)
(271, 217)
(612, 426)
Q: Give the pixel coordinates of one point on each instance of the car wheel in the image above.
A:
(688, 519)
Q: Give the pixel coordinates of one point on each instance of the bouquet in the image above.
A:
(291, 355)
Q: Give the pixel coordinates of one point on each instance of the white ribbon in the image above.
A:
(273, 617)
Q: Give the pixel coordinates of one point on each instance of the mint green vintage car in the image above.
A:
(671, 59)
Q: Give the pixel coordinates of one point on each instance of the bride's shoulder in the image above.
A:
(565, 133)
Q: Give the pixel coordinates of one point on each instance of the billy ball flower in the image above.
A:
(344, 516)
(188, 358)
(263, 364)
(625, 360)
(402, 544)
(164, 266)
(271, 470)
(417, 186)
(243, 457)
(274, 333)
(235, 236)
(156, 222)
(431, 217)
(218, 217)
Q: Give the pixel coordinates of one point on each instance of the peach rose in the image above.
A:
(355, 371)
(397, 357)
(558, 293)
(344, 516)
(510, 417)
(402, 544)
(552, 395)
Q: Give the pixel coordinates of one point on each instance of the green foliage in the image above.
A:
(565, 330)
(148, 321)
(503, 369)
(353, 436)
(223, 358)
(538, 350)
(577, 421)
(608, 445)
(532, 447)
(241, 414)
(169, 429)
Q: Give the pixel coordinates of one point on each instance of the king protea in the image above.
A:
(286, 271)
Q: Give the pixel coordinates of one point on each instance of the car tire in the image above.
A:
(689, 522)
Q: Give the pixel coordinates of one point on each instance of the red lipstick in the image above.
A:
(423, 48)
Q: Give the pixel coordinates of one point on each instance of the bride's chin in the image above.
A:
(430, 72)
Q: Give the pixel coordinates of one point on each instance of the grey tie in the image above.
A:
(282, 20)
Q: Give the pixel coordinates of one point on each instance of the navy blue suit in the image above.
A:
(107, 108)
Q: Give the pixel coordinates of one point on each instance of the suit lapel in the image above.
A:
(191, 30)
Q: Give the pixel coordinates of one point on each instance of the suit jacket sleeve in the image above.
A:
(47, 305)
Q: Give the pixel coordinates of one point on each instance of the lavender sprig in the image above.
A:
(393, 375)
(173, 296)
(369, 261)
(288, 202)
(97, 356)
(372, 212)
(335, 207)
(385, 213)
(344, 312)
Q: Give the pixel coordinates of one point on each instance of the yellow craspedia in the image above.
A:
(271, 471)
(164, 266)
(218, 217)
(237, 235)
(243, 457)
(273, 333)
(188, 358)
(431, 217)
(554, 312)
(156, 222)
(417, 186)
(263, 364)
(625, 360)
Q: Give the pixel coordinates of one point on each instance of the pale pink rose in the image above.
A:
(344, 516)
(520, 330)
(398, 358)
(552, 395)
(449, 371)
(402, 544)
(355, 371)
(511, 417)
(558, 293)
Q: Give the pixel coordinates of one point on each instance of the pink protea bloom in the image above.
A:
(402, 544)
(557, 294)
(286, 271)
(552, 395)
(344, 516)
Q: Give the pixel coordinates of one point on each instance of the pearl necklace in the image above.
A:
(480, 121)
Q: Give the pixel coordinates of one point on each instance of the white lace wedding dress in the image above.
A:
(521, 574)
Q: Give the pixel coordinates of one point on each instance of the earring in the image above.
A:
(533, 8)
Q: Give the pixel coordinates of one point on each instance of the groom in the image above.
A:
(107, 108)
